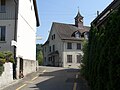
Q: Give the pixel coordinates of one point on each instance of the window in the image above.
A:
(79, 58)
(2, 33)
(53, 47)
(69, 58)
(45, 49)
(78, 46)
(86, 35)
(69, 45)
(44, 59)
(54, 36)
(50, 48)
(2, 5)
(50, 59)
(77, 34)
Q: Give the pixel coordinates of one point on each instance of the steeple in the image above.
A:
(79, 20)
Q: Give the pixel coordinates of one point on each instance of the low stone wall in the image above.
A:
(29, 66)
(7, 76)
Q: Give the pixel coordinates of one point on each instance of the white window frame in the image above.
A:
(69, 59)
(77, 46)
(78, 58)
(69, 45)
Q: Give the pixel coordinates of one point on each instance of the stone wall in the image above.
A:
(7, 76)
(29, 66)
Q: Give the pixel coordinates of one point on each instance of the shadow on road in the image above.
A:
(60, 80)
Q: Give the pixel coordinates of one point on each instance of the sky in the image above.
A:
(64, 11)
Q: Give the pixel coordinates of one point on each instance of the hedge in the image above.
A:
(101, 60)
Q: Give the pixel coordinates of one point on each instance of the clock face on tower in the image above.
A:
(80, 20)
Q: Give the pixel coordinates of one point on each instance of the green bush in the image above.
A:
(5, 57)
(1, 55)
(8, 56)
(2, 61)
(102, 55)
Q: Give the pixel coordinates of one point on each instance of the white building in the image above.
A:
(64, 44)
(18, 22)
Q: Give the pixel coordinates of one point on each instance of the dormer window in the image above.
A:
(77, 34)
(86, 35)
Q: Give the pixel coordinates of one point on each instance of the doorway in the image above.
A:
(21, 68)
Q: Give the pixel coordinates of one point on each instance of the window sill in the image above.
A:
(2, 41)
(78, 49)
(2, 11)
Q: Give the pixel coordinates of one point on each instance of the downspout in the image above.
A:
(15, 39)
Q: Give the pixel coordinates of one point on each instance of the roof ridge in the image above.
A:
(62, 23)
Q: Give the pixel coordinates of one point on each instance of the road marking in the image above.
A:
(76, 76)
(37, 76)
(34, 78)
(75, 84)
(29, 81)
(44, 71)
(21, 86)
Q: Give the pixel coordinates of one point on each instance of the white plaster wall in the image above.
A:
(74, 52)
(7, 76)
(26, 34)
(30, 66)
(61, 46)
(57, 42)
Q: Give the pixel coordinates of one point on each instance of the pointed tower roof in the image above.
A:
(78, 15)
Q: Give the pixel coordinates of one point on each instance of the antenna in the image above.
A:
(97, 13)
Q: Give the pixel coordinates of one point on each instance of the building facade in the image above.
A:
(18, 22)
(64, 45)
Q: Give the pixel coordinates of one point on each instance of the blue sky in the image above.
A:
(64, 11)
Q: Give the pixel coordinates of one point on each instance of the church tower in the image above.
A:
(79, 20)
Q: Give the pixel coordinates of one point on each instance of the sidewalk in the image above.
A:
(20, 81)
(82, 83)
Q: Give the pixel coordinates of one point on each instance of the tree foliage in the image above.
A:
(102, 55)
(39, 54)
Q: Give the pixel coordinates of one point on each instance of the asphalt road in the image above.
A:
(51, 78)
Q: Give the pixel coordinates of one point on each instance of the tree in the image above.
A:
(102, 59)
(39, 54)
